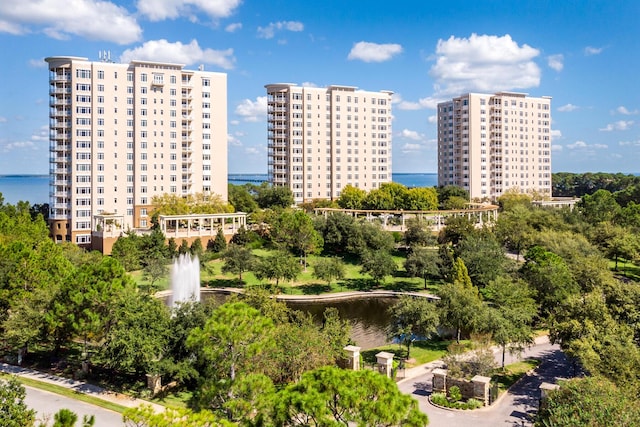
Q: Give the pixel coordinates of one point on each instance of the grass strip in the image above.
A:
(513, 373)
(66, 392)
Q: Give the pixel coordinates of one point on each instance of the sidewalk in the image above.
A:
(427, 368)
(79, 386)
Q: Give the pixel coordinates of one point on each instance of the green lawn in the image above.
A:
(306, 284)
(513, 373)
(421, 351)
(626, 269)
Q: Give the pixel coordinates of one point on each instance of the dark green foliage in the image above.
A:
(184, 249)
(328, 269)
(588, 402)
(378, 264)
(279, 266)
(549, 275)
(196, 248)
(450, 191)
(456, 229)
(273, 197)
(567, 184)
(13, 410)
(244, 237)
(422, 262)
(412, 318)
(483, 256)
(418, 233)
(137, 339)
(219, 244)
(237, 260)
(241, 199)
(333, 396)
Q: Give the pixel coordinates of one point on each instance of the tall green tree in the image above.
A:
(237, 260)
(333, 396)
(241, 199)
(412, 318)
(483, 256)
(512, 310)
(378, 264)
(227, 344)
(13, 411)
(138, 338)
(351, 197)
(418, 233)
(589, 401)
(295, 231)
(278, 266)
(329, 269)
(549, 275)
(422, 262)
(460, 303)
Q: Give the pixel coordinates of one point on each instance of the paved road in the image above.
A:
(46, 404)
(512, 410)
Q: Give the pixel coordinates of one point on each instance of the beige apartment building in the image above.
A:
(122, 133)
(323, 139)
(491, 143)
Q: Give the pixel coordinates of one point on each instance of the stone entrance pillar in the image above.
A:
(353, 357)
(385, 363)
(481, 388)
(439, 381)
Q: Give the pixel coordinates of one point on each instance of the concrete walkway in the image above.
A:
(78, 386)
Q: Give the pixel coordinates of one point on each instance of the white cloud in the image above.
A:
(374, 52)
(556, 62)
(37, 63)
(635, 143)
(40, 135)
(192, 53)
(580, 145)
(253, 111)
(623, 110)
(253, 151)
(308, 84)
(556, 147)
(590, 50)
(18, 145)
(411, 148)
(411, 134)
(232, 28)
(91, 19)
(619, 125)
(568, 108)
(234, 122)
(232, 140)
(483, 63)
(158, 10)
(432, 119)
(269, 31)
(401, 104)
(556, 134)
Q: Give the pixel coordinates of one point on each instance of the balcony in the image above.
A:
(60, 77)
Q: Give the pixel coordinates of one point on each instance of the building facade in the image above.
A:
(122, 133)
(323, 139)
(492, 143)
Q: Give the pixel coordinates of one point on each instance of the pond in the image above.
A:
(368, 315)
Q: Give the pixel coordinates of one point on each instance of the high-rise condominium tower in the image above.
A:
(123, 133)
(323, 139)
(489, 144)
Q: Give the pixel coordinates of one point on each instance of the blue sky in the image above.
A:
(584, 54)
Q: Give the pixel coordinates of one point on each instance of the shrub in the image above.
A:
(455, 394)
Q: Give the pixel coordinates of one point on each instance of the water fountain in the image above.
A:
(185, 279)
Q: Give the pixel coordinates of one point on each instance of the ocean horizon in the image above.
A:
(35, 188)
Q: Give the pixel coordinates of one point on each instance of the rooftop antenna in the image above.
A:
(201, 67)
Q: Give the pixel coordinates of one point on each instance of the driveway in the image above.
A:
(515, 409)
(46, 404)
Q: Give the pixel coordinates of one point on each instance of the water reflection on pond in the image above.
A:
(368, 316)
